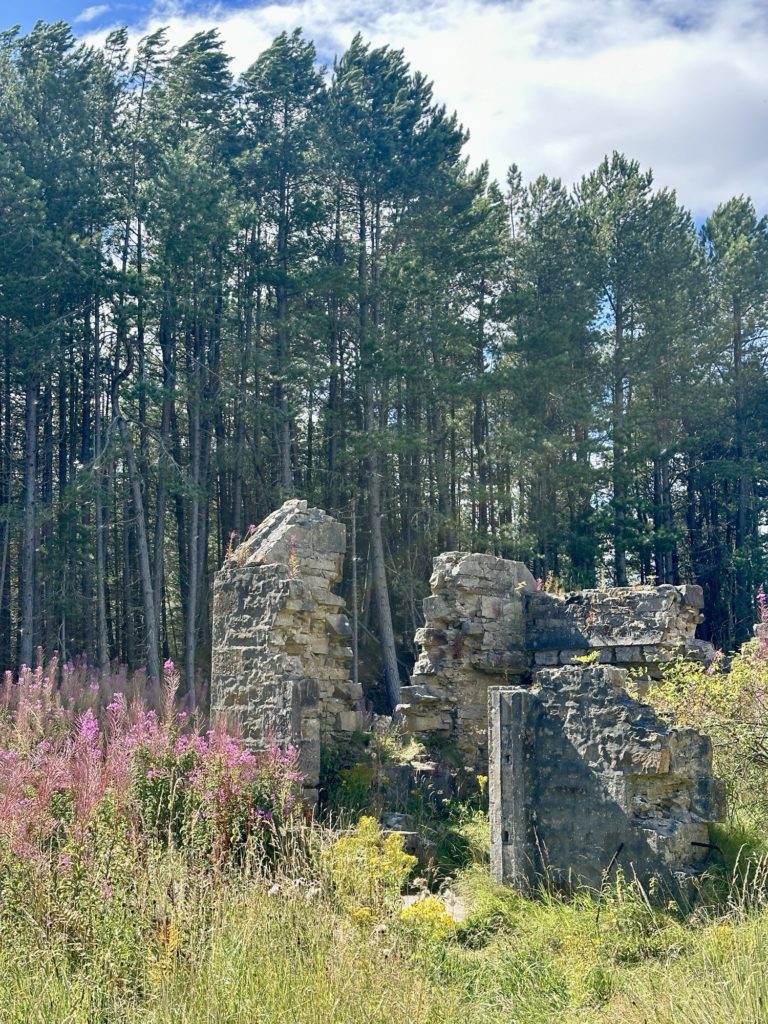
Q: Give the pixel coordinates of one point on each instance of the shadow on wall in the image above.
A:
(584, 781)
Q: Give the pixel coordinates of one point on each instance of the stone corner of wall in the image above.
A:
(280, 659)
(644, 790)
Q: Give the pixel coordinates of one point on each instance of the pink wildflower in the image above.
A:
(117, 704)
(89, 728)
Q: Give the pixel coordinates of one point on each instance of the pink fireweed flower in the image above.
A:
(118, 702)
(53, 782)
(88, 729)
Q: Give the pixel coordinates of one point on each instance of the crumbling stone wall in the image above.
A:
(474, 636)
(582, 776)
(280, 665)
(485, 623)
(632, 627)
(584, 779)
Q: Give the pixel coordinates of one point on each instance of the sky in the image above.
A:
(552, 85)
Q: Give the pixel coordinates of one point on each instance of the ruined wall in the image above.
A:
(281, 653)
(485, 623)
(474, 636)
(631, 627)
(580, 773)
(583, 778)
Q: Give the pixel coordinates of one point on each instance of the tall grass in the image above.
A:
(180, 942)
(153, 872)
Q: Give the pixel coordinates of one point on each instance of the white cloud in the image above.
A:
(91, 13)
(681, 85)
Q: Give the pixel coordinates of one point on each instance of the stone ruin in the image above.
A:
(281, 654)
(583, 778)
(524, 686)
(487, 624)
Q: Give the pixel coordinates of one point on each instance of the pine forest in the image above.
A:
(219, 292)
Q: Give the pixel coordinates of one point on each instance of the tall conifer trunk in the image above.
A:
(378, 566)
(28, 581)
(617, 443)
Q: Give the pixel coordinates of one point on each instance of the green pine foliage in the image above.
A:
(219, 292)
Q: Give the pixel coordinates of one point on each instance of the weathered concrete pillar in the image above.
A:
(508, 796)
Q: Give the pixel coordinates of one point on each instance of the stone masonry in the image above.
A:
(474, 636)
(584, 779)
(640, 628)
(486, 624)
(280, 666)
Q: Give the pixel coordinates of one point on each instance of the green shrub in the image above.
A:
(728, 702)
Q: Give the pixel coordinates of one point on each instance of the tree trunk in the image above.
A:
(283, 349)
(142, 541)
(158, 575)
(378, 568)
(102, 635)
(619, 476)
(478, 422)
(27, 636)
(193, 547)
(147, 592)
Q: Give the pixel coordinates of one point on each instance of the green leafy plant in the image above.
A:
(727, 701)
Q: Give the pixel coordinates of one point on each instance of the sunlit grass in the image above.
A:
(231, 950)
